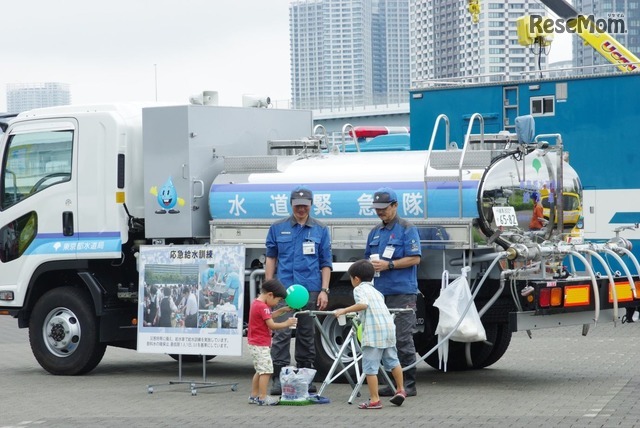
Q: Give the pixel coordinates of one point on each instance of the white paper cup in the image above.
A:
(342, 319)
(292, 327)
(375, 258)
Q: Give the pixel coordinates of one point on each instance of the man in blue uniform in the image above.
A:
(298, 252)
(393, 247)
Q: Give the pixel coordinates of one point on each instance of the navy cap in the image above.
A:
(301, 196)
(384, 197)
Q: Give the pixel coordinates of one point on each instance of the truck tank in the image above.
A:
(432, 186)
(455, 197)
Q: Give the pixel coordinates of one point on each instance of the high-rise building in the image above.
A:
(26, 96)
(446, 43)
(390, 51)
(348, 53)
(623, 11)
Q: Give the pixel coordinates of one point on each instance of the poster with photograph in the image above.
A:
(191, 299)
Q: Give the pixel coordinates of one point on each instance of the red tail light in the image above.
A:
(544, 300)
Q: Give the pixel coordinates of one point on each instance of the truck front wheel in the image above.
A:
(63, 332)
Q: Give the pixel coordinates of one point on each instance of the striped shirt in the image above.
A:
(378, 329)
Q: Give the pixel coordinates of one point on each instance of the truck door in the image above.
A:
(37, 199)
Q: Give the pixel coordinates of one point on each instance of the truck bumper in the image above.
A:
(522, 321)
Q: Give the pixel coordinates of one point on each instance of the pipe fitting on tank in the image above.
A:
(619, 242)
(523, 252)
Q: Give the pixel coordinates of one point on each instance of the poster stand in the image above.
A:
(174, 281)
(193, 385)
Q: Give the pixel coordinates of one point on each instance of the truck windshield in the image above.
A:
(34, 161)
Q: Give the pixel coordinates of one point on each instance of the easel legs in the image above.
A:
(193, 385)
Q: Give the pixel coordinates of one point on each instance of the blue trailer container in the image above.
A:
(596, 116)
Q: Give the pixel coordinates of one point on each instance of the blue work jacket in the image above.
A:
(285, 241)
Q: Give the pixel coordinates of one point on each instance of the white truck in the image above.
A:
(83, 187)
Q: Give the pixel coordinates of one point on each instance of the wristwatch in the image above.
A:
(326, 290)
(391, 266)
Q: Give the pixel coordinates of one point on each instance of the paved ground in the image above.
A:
(558, 378)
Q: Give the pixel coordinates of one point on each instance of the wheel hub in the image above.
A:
(61, 332)
(336, 334)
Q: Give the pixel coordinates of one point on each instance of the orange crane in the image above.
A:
(584, 26)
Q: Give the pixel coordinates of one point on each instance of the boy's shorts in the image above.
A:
(371, 358)
(261, 356)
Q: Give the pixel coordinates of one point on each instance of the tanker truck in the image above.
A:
(77, 197)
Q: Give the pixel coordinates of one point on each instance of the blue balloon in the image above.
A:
(297, 296)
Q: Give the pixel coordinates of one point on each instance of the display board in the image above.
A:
(191, 299)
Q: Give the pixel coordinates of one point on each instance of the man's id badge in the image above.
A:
(388, 252)
(308, 248)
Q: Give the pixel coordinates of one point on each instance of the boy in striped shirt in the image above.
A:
(378, 333)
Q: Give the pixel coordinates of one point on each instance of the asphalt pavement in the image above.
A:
(558, 378)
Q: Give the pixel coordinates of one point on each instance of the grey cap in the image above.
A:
(301, 196)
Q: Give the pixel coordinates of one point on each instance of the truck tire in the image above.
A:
(63, 332)
(457, 360)
(502, 341)
(341, 297)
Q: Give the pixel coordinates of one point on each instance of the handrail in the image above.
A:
(464, 152)
(430, 150)
(344, 143)
(322, 135)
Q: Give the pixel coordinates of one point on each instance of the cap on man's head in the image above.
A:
(384, 197)
(301, 196)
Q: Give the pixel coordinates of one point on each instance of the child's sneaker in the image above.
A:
(371, 405)
(253, 400)
(398, 399)
(268, 401)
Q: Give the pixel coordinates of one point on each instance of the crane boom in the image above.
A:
(604, 43)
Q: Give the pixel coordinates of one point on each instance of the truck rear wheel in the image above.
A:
(481, 352)
(326, 351)
(63, 332)
(500, 345)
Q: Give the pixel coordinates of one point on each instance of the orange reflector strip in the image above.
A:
(556, 296)
(119, 197)
(623, 291)
(577, 295)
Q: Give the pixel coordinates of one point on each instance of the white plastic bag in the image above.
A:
(452, 302)
(295, 383)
